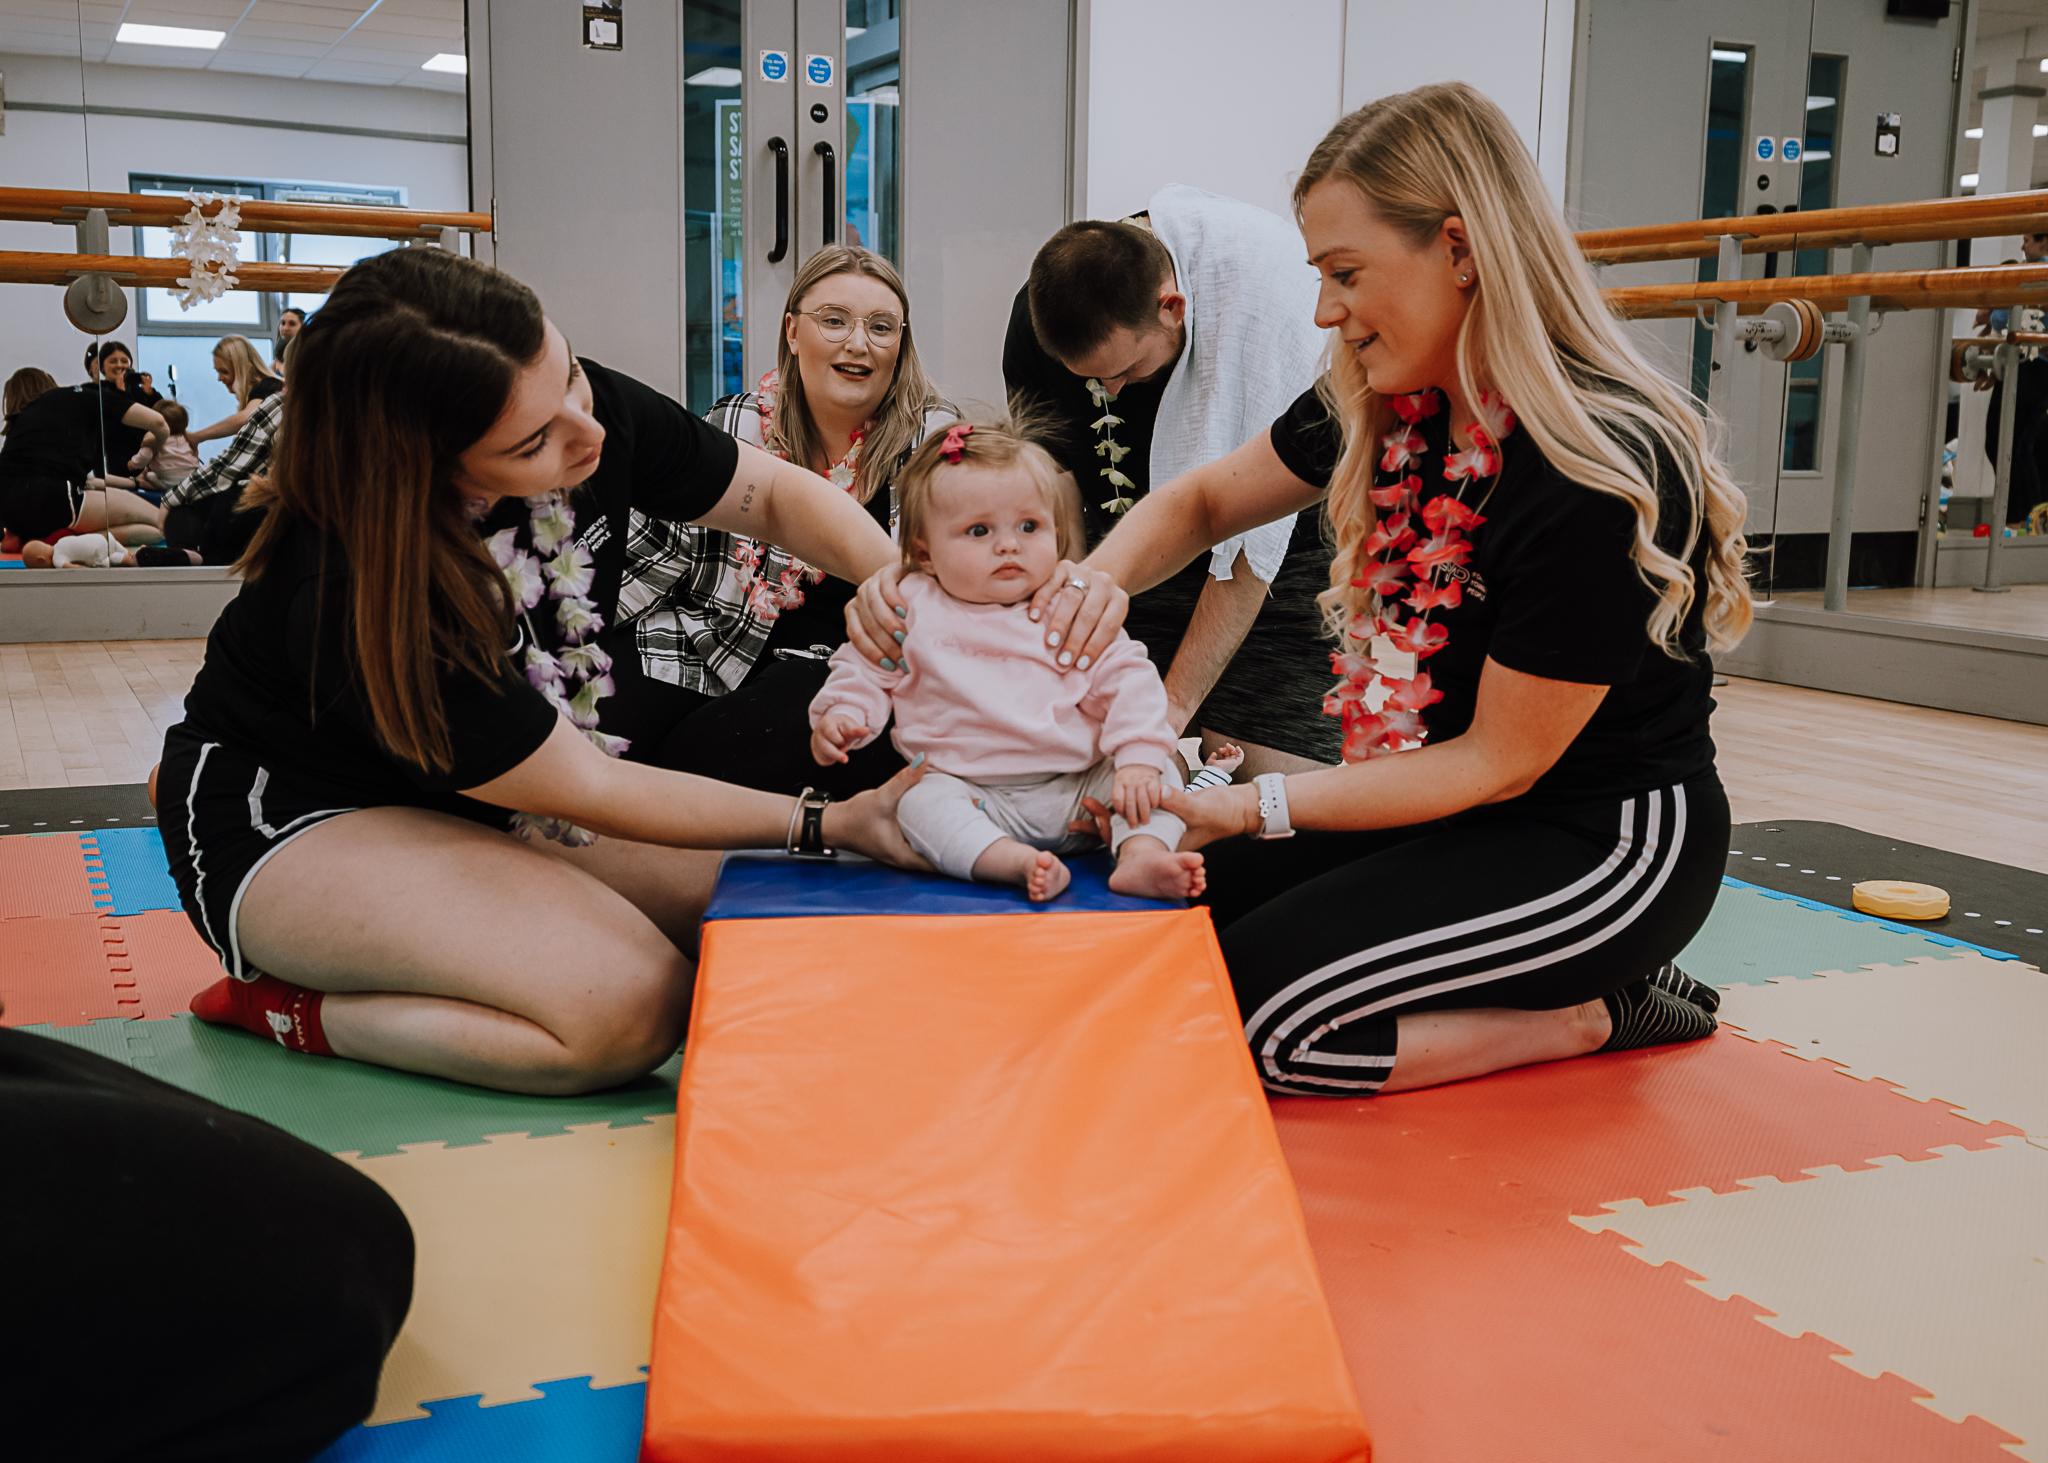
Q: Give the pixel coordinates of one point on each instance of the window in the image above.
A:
(1728, 72)
(1805, 380)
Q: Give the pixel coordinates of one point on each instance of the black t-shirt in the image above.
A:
(278, 686)
(1034, 379)
(278, 683)
(58, 434)
(264, 386)
(1552, 591)
(658, 458)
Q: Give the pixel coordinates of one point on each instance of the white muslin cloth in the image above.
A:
(1252, 344)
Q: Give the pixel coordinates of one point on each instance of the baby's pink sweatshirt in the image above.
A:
(983, 697)
(176, 455)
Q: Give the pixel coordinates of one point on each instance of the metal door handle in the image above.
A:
(781, 150)
(824, 150)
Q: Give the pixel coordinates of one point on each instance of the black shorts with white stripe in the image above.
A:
(1330, 936)
(222, 816)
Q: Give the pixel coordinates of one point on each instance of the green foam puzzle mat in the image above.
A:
(352, 1107)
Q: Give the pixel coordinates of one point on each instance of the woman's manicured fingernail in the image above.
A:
(1053, 639)
(918, 760)
(1034, 613)
(1084, 664)
(888, 664)
(901, 613)
(899, 637)
(1066, 657)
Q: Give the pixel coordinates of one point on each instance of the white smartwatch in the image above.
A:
(1273, 822)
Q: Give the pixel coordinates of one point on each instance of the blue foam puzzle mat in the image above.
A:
(137, 873)
(1857, 916)
(570, 1422)
(775, 886)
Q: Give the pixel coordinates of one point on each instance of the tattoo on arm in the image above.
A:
(747, 502)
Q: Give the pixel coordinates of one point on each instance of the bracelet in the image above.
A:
(1273, 820)
(807, 827)
(796, 812)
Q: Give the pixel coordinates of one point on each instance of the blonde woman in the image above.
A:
(721, 640)
(245, 373)
(1535, 551)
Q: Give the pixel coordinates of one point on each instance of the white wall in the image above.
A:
(1232, 97)
(1519, 52)
(1227, 96)
(49, 150)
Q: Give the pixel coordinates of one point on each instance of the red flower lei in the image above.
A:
(1405, 560)
(776, 578)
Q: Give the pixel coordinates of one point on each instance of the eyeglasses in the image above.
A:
(836, 325)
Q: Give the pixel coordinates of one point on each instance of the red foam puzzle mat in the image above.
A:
(953, 1187)
(48, 875)
(59, 971)
(1481, 1324)
(67, 970)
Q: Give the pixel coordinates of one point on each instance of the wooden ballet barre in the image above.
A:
(1995, 215)
(259, 216)
(18, 267)
(1906, 289)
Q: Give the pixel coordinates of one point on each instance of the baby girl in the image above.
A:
(1014, 743)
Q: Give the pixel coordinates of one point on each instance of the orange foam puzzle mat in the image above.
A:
(956, 1187)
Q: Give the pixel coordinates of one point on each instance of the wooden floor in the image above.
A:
(2021, 610)
(87, 713)
(90, 712)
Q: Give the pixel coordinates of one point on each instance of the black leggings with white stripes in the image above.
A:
(1330, 936)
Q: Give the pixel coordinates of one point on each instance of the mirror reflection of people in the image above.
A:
(1156, 344)
(721, 641)
(289, 319)
(238, 366)
(406, 676)
(51, 458)
(2029, 486)
(1536, 552)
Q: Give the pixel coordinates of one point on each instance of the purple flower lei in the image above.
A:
(575, 680)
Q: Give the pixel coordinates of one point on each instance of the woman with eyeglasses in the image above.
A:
(720, 641)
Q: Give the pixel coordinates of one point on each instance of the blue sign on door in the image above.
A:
(1790, 149)
(818, 70)
(775, 65)
(1764, 148)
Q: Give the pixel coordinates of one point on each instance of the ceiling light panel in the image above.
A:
(176, 36)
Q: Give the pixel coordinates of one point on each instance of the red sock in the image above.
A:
(288, 1014)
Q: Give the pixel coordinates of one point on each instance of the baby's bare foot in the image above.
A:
(1148, 869)
(1048, 878)
(1038, 873)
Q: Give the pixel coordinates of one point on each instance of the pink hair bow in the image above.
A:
(956, 441)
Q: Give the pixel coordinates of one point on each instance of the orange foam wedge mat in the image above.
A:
(974, 1187)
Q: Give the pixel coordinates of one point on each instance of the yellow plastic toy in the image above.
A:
(1897, 899)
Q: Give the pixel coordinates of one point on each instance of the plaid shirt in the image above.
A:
(684, 591)
(694, 595)
(248, 456)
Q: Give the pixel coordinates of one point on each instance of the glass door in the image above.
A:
(790, 143)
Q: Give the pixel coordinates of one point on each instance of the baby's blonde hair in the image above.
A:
(1004, 442)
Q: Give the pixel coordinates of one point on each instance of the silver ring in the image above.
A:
(1078, 583)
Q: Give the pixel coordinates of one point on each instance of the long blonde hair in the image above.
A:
(1588, 399)
(244, 363)
(899, 419)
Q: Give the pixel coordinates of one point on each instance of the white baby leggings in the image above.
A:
(952, 821)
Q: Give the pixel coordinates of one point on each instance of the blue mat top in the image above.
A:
(775, 886)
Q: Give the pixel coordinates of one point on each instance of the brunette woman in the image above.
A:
(380, 707)
(1535, 551)
(721, 640)
(51, 455)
